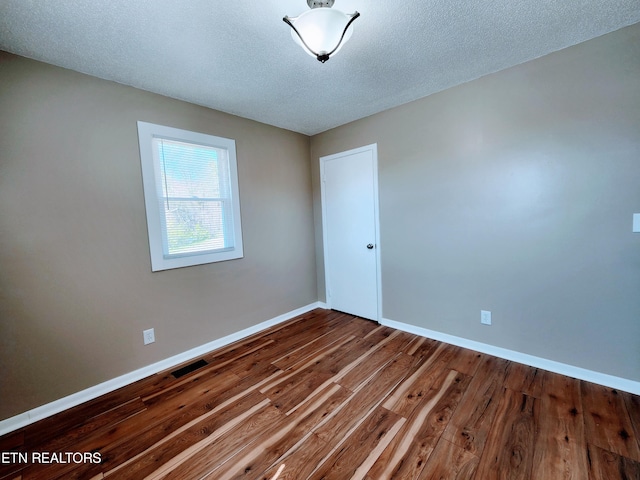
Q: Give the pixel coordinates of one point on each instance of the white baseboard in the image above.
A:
(44, 411)
(604, 379)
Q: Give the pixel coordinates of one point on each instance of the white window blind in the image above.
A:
(192, 209)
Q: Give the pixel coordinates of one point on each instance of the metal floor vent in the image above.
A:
(189, 368)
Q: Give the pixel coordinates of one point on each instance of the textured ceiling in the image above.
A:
(238, 57)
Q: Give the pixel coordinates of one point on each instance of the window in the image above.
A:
(190, 185)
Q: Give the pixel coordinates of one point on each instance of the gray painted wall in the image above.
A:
(76, 288)
(514, 193)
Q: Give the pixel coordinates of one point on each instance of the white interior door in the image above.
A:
(350, 226)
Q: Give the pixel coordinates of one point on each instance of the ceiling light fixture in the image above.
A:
(321, 31)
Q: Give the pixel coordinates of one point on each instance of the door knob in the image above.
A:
(370, 246)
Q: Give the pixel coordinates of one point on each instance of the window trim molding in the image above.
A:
(150, 177)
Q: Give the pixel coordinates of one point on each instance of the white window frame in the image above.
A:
(151, 179)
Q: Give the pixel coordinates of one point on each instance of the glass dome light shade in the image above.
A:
(322, 30)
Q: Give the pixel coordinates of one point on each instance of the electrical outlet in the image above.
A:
(485, 317)
(149, 336)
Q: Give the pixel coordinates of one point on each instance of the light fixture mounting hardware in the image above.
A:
(320, 3)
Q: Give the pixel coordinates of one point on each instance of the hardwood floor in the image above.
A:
(331, 396)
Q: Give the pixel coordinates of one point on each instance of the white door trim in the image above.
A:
(374, 152)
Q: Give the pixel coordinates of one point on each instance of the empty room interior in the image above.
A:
(418, 255)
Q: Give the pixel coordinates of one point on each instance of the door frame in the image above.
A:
(373, 148)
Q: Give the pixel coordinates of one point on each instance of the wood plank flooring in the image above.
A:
(331, 396)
